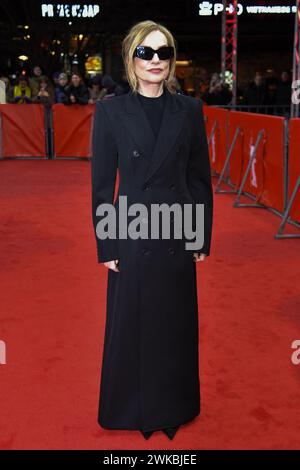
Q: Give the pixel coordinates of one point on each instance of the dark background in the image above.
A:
(265, 42)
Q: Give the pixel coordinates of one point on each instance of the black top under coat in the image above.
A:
(153, 107)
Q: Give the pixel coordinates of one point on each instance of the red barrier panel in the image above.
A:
(218, 145)
(72, 130)
(22, 130)
(265, 180)
(294, 166)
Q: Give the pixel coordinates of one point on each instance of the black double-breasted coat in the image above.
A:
(150, 376)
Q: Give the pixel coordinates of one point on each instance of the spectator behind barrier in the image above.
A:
(256, 93)
(284, 89)
(22, 92)
(9, 90)
(111, 88)
(76, 92)
(218, 93)
(60, 90)
(34, 80)
(2, 92)
(96, 92)
(45, 94)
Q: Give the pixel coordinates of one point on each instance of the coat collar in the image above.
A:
(136, 121)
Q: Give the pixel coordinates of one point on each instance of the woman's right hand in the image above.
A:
(114, 265)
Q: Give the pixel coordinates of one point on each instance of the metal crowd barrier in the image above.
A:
(37, 131)
(230, 135)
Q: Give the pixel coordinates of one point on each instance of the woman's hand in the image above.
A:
(199, 256)
(114, 265)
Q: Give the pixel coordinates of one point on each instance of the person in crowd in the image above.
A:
(2, 92)
(22, 91)
(256, 94)
(218, 93)
(34, 80)
(284, 90)
(7, 90)
(60, 90)
(45, 94)
(76, 92)
(96, 92)
(111, 88)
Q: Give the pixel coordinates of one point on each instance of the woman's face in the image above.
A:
(146, 70)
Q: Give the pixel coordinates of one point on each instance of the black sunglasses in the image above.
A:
(146, 52)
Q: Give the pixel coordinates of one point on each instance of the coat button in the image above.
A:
(136, 153)
(146, 188)
(145, 251)
(172, 186)
(171, 251)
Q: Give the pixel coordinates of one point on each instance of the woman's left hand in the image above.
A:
(199, 256)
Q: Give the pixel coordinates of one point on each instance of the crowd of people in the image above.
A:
(38, 88)
(260, 93)
(73, 89)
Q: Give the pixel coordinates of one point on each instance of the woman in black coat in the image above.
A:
(157, 141)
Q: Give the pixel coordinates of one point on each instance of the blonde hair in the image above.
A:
(134, 37)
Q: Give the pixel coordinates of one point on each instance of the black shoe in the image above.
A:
(170, 432)
(147, 434)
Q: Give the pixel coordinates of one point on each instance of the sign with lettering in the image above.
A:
(69, 10)
(214, 9)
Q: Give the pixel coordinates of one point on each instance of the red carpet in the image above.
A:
(52, 308)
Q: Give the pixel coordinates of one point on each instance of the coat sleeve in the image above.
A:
(104, 165)
(199, 173)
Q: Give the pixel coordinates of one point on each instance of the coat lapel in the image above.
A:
(136, 121)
